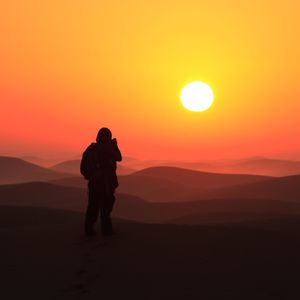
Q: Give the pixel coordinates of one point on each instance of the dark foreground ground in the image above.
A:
(44, 255)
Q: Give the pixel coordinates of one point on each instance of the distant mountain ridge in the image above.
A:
(166, 184)
(73, 167)
(15, 170)
(264, 166)
(282, 188)
(194, 177)
(253, 165)
(39, 194)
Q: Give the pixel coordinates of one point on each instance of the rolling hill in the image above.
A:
(253, 165)
(192, 178)
(167, 184)
(15, 170)
(282, 188)
(225, 210)
(73, 167)
(42, 194)
(263, 166)
(214, 211)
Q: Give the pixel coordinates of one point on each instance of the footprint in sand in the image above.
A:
(81, 272)
(79, 288)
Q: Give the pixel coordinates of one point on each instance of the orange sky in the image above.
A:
(70, 67)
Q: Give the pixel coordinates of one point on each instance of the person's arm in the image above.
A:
(116, 151)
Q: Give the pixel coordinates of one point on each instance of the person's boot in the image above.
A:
(106, 227)
(89, 231)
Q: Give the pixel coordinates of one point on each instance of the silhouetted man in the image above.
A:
(98, 166)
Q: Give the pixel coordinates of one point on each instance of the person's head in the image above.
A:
(104, 135)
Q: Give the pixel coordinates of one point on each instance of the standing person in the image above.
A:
(98, 166)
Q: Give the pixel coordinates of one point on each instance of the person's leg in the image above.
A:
(93, 208)
(105, 210)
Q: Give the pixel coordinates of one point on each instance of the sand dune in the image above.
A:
(237, 211)
(264, 166)
(166, 184)
(212, 211)
(15, 170)
(150, 188)
(134, 208)
(283, 188)
(42, 161)
(44, 255)
(42, 194)
(72, 167)
(198, 179)
(253, 165)
(77, 181)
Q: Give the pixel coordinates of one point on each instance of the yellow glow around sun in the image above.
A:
(197, 96)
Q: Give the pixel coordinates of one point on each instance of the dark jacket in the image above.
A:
(103, 158)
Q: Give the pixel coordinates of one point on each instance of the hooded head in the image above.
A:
(104, 135)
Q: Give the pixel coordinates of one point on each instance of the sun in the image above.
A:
(197, 96)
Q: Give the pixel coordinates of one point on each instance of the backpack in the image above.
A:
(88, 162)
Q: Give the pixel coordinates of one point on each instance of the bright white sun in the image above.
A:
(197, 96)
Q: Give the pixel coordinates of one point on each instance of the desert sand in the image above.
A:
(180, 234)
(44, 255)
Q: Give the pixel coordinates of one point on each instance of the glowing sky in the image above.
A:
(70, 67)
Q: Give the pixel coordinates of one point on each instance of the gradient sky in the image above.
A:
(70, 67)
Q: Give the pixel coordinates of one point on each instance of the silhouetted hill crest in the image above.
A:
(15, 170)
(73, 167)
